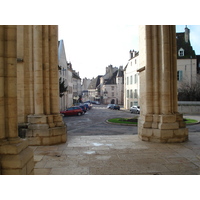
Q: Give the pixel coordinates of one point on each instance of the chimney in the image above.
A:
(187, 34)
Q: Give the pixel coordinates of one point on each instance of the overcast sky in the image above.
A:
(92, 47)
(98, 33)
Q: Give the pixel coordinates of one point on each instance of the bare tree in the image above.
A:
(189, 92)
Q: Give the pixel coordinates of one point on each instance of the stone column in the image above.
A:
(159, 120)
(46, 125)
(15, 156)
(54, 79)
(38, 70)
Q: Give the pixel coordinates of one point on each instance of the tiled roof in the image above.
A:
(188, 50)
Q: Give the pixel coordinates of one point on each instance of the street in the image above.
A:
(93, 123)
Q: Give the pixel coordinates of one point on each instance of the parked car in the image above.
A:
(135, 109)
(95, 102)
(83, 107)
(113, 106)
(75, 110)
(88, 106)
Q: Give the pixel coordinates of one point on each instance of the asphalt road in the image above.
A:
(94, 123)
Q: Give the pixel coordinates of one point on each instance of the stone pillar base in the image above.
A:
(16, 158)
(44, 130)
(162, 128)
(46, 136)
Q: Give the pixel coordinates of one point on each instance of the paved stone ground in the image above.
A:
(118, 155)
(118, 152)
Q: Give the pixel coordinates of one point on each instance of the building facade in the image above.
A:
(131, 81)
(186, 59)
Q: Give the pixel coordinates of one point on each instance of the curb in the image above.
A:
(120, 123)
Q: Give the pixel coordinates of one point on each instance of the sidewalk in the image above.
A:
(118, 155)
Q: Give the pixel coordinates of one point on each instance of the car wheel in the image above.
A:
(79, 114)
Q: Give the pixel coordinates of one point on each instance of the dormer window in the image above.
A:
(181, 52)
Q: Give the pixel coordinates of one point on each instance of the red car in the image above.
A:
(75, 110)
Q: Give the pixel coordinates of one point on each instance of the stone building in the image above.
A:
(131, 81)
(94, 90)
(187, 66)
(76, 86)
(186, 59)
(85, 84)
(65, 74)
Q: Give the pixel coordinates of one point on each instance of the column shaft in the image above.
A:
(46, 69)
(38, 71)
(54, 83)
(149, 73)
(2, 86)
(11, 81)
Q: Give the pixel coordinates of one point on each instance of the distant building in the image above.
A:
(131, 81)
(93, 89)
(76, 86)
(85, 84)
(186, 59)
(111, 86)
(65, 75)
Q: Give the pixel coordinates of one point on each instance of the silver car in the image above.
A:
(135, 109)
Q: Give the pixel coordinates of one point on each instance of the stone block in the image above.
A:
(29, 133)
(58, 131)
(37, 119)
(167, 118)
(34, 141)
(14, 148)
(171, 126)
(179, 117)
(181, 132)
(148, 118)
(147, 125)
(57, 118)
(182, 124)
(38, 126)
(30, 166)
(166, 134)
(17, 161)
(147, 132)
(177, 139)
(156, 118)
(41, 133)
(14, 171)
(155, 125)
(64, 138)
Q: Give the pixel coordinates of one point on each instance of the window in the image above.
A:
(113, 94)
(112, 87)
(131, 80)
(135, 78)
(127, 80)
(181, 52)
(135, 94)
(179, 75)
(127, 93)
(131, 93)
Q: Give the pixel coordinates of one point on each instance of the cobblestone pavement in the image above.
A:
(119, 154)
